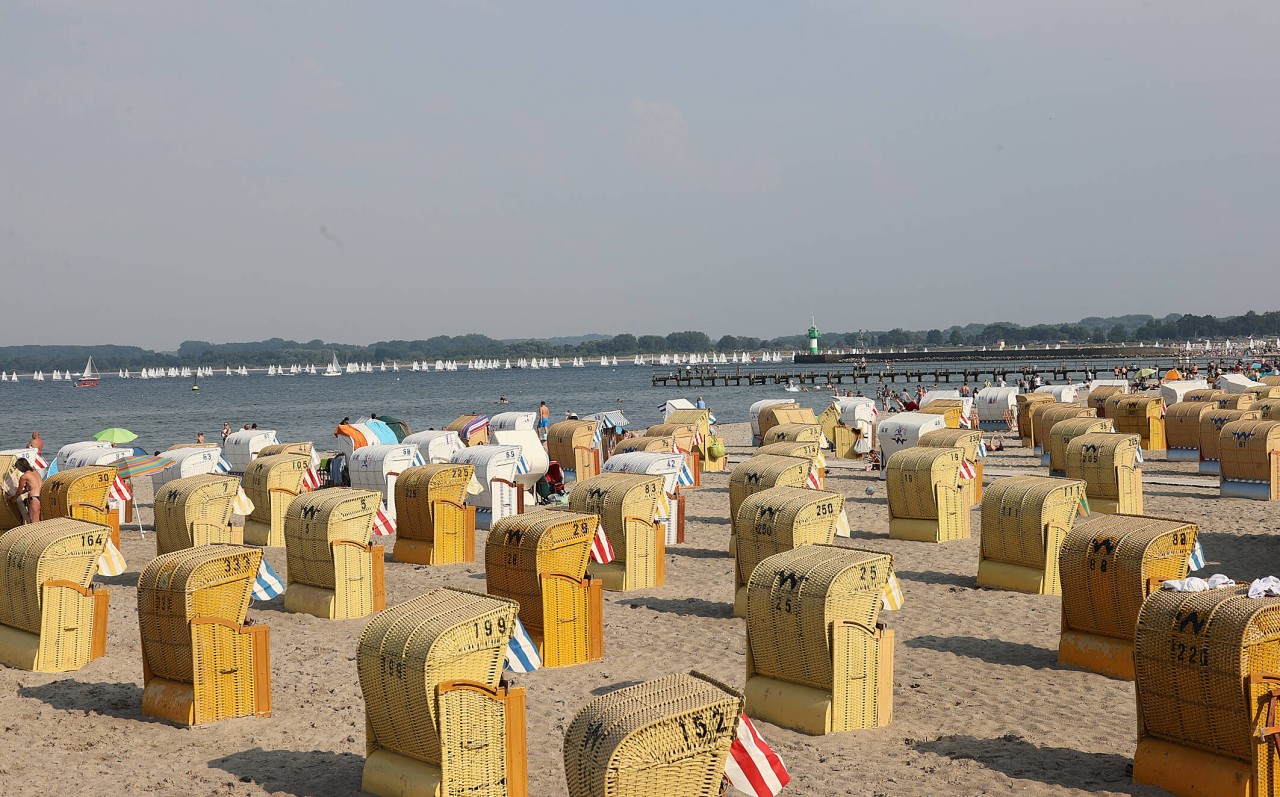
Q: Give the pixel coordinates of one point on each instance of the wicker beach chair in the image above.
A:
(970, 442)
(52, 618)
(1024, 521)
(200, 661)
(668, 466)
(701, 421)
(196, 511)
(817, 659)
(10, 515)
(951, 410)
(433, 524)
(1047, 415)
(572, 444)
(1109, 564)
(1028, 403)
(758, 473)
(780, 519)
(272, 483)
(1141, 414)
(1100, 395)
(1250, 452)
(626, 504)
(539, 559)
(1268, 409)
(1108, 465)
(1235, 401)
(294, 449)
(334, 571)
(810, 451)
(477, 438)
(850, 426)
(439, 719)
(1182, 424)
(780, 414)
(670, 736)
(1207, 681)
(926, 502)
(1264, 392)
(682, 435)
(647, 444)
(794, 433)
(1211, 425)
(81, 494)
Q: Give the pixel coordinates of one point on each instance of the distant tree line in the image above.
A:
(278, 351)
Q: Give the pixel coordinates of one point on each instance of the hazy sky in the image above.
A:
(358, 172)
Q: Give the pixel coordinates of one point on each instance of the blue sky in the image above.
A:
(236, 171)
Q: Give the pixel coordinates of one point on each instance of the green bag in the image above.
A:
(715, 448)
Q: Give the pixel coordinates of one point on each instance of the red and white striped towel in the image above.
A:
(601, 550)
(383, 524)
(120, 491)
(311, 481)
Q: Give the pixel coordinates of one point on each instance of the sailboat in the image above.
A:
(90, 377)
(333, 369)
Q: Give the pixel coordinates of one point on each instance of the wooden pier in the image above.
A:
(714, 377)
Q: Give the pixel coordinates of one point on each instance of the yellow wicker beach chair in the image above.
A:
(1264, 392)
(272, 483)
(1211, 426)
(951, 410)
(626, 504)
(794, 433)
(1250, 452)
(1270, 380)
(1108, 465)
(52, 618)
(1028, 403)
(335, 572)
(1268, 409)
(780, 414)
(670, 736)
(1141, 414)
(439, 719)
(968, 441)
(1182, 425)
(926, 502)
(478, 438)
(1100, 395)
(81, 494)
(810, 451)
(846, 433)
(196, 511)
(200, 661)
(1109, 564)
(701, 420)
(1047, 415)
(1024, 521)
(296, 449)
(817, 659)
(571, 443)
(1207, 683)
(539, 559)
(648, 444)
(433, 524)
(760, 473)
(780, 519)
(1236, 401)
(682, 435)
(10, 515)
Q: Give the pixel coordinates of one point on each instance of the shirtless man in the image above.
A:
(29, 482)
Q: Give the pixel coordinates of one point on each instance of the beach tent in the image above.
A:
(496, 472)
(245, 445)
(1235, 383)
(1174, 392)
(754, 413)
(376, 468)
(437, 446)
(1067, 394)
(520, 429)
(398, 427)
(187, 461)
(903, 430)
(994, 406)
(657, 464)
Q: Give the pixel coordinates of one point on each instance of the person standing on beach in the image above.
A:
(702, 405)
(226, 432)
(36, 442)
(544, 419)
(29, 482)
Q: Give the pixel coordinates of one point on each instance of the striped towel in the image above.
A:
(522, 654)
(1139, 453)
(311, 480)
(842, 525)
(598, 436)
(111, 561)
(982, 448)
(965, 423)
(966, 470)
(222, 466)
(241, 505)
(120, 491)
(383, 523)
(267, 585)
(1083, 509)
(697, 437)
(891, 597)
(522, 466)
(685, 477)
(752, 767)
(417, 459)
(475, 426)
(38, 462)
(1196, 560)
(812, 481)
(601, 550)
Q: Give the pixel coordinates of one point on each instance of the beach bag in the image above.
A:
(715, 448)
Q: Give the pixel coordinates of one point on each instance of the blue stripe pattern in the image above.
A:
(522, 654)
(1196, 562)
(267, 585)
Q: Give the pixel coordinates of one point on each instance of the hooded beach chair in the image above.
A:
(82, 494)
(335, 572)
(272, 483)
(969, 441)
(196, 511)
(1108, 465)
(572, 444)
(1063, 432)
(758, 473)
(1024, 521)
(1046, 416)
(925, 498)
(1250, 452)
(1182, 424)
(780, 414)
(1141, 414)
(627, 505)
(780, 519)
(1211, 425)
(434, 526)
(1028, 404)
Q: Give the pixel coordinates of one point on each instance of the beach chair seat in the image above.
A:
(669, 736)
(434, 526)
(539, 559)
(1024, 521)
(627, 505)
(196, 511)
(572, 444)
(439, 719)
(52, 617)
(925, 498)
(82, 494)
(818, 660)
(758, 473)
(272, 483)
(779, 519)
(1206, 688)
(1250, 457)
(201, 662)
(968, 441)
(335, 572)
(1109, 466)
(1109, 564)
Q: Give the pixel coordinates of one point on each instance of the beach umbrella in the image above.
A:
(1146, 372)
(140, 465)
(115, 435)
(398, 427)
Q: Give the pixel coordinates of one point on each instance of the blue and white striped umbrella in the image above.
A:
(522, 654)
(267, 585)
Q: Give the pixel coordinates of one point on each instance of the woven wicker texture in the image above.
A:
(924, 483)
(1248, 450)
(1099, 395)
(779, 414)
(701, 419)
(1183, 421)
(1027, 404)
(626, 504)
(782, 518)
(967, 441)
(271, 484)
(1236, 401)
(952, 410)
(1264, 392)
(408, 651)
(1211, 426)
(570, 444)
(524, 551)
(680, 433)
(1141, 414)
(1210, 395)
(10, 517)
(1268, 409)
(296, 449)
(79, 493)
(1025, 519)
(61, 549)
(670, 736)
(430, 507)
(794, 433)
(760, 473)
(1108, 465)
(654, 444)
(326, 537)
(480, 438)
(1047, 415)
(785, 449)
(194, 511)
(1194, 652)
(1270, 380)
(1107, 562)
(1063, 432)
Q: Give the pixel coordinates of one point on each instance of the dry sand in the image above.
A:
(981, 705)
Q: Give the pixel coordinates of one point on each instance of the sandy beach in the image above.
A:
(981, 706)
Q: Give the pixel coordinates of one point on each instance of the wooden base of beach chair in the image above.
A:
(1017, 578)
(424, 552)
(236, 534)
(113, 523)
(1096, 653)
(1186, 772)
(238, 684)
(323, 603)
(1210, 467)
(258, 533)
(73, 631)
(920, 530)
